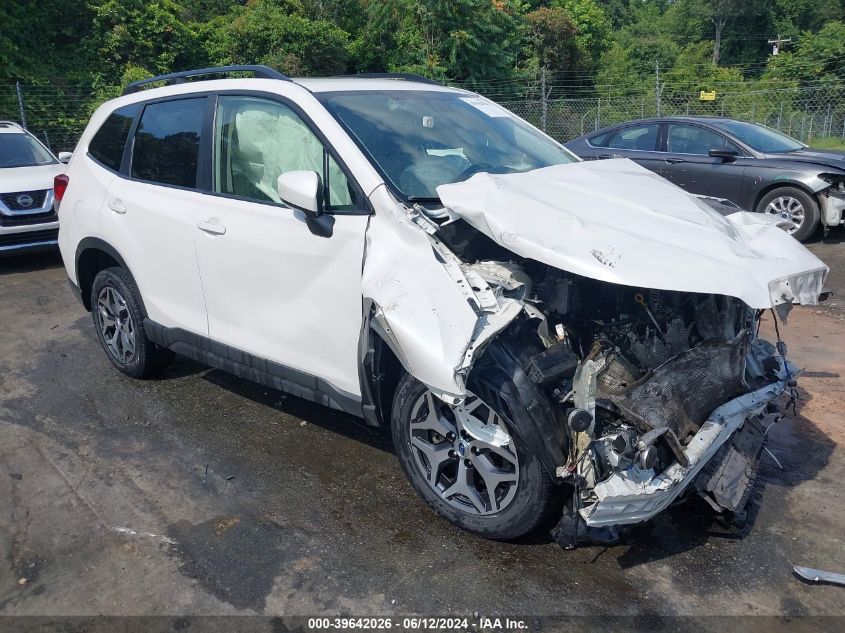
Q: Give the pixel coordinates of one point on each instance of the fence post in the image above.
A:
(598, 114)
(657, 85)
(544, 106)
(21, 103)
(828, 118)
(780, 115)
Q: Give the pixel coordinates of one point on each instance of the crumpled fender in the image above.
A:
(423, 305)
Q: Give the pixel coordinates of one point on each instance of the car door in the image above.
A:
(638, 141)
(150, 215)
(687, 162)
(274, 288)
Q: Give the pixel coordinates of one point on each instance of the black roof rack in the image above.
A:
(263, 72)
(400, 76)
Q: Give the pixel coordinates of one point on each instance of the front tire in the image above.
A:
(794, 205)
(466, 464)
(119, 323)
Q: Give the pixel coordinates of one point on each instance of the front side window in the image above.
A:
(256, 140)
(638, 137)
(692, 139)
(759, 137)
(21, 150)
(167, 142)
(110, 140)
(421, 139)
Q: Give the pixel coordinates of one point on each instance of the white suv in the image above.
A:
(27, 169)
(547, 338)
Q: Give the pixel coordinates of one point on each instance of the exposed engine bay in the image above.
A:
(611, 314)
(636, 374)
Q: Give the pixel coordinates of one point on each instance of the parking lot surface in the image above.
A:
(199, 493)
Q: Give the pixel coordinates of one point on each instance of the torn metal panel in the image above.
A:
(435, 311)
(614, 221)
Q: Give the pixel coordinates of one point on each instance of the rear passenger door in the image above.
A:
(150, 215)
(639, 142)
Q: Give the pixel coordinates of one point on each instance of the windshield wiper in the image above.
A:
(424, 200)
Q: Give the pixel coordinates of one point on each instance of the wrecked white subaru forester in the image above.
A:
(552, 341)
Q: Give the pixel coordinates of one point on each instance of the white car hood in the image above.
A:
(14, 179)
(615, 221)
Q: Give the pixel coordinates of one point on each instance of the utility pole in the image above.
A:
(657, 85)
(776, 44)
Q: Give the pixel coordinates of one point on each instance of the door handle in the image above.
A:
(117, 206)
(674, 161)
(212, 226)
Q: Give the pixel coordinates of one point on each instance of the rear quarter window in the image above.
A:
(110, 140)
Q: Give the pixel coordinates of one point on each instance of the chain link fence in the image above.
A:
(58, 114)
(810, 114)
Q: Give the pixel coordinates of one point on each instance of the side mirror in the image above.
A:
(302, 190)
(727, 155)
(64, 157)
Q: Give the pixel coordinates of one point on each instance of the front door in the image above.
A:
(687, 162)
(273, 288)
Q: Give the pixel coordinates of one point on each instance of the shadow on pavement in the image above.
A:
(30, 262)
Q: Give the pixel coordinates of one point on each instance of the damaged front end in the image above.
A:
(623, 348)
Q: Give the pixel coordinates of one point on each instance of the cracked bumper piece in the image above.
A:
(636, 495)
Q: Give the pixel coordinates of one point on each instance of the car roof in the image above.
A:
(352, 83)
(10, 127)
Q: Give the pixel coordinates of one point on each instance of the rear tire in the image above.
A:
(118, 315)
(794, 204)
(526, 495)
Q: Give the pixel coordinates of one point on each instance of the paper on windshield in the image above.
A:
(486, 106)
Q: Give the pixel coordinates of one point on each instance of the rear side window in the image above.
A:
(167, 142)
(638, 137)
(109, 141)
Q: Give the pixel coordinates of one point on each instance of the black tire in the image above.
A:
(145, 357)
(812, 214)
(536, 496)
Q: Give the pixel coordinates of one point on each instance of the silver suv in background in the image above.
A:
(27, 169)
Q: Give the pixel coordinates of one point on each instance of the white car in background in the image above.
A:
(547, 338)
(27, 169)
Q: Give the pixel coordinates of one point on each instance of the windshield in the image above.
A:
(21, 150)
(422, 139)
(758, 137)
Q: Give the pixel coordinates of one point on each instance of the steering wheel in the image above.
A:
(473, 169)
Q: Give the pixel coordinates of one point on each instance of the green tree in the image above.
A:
(150, 35)
(550, 36)
(461, 39)
(269, 33)
(592, 28)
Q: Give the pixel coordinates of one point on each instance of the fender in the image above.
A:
(94, 243)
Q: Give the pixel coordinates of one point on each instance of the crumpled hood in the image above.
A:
(615, 221)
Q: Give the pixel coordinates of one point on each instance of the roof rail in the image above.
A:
(260, 71)
(399, 76)
(11, 124)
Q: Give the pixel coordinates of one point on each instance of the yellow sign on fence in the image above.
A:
(707, 96)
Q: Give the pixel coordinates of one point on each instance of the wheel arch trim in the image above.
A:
(95, 244)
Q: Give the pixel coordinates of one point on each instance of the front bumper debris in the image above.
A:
(636, 495)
